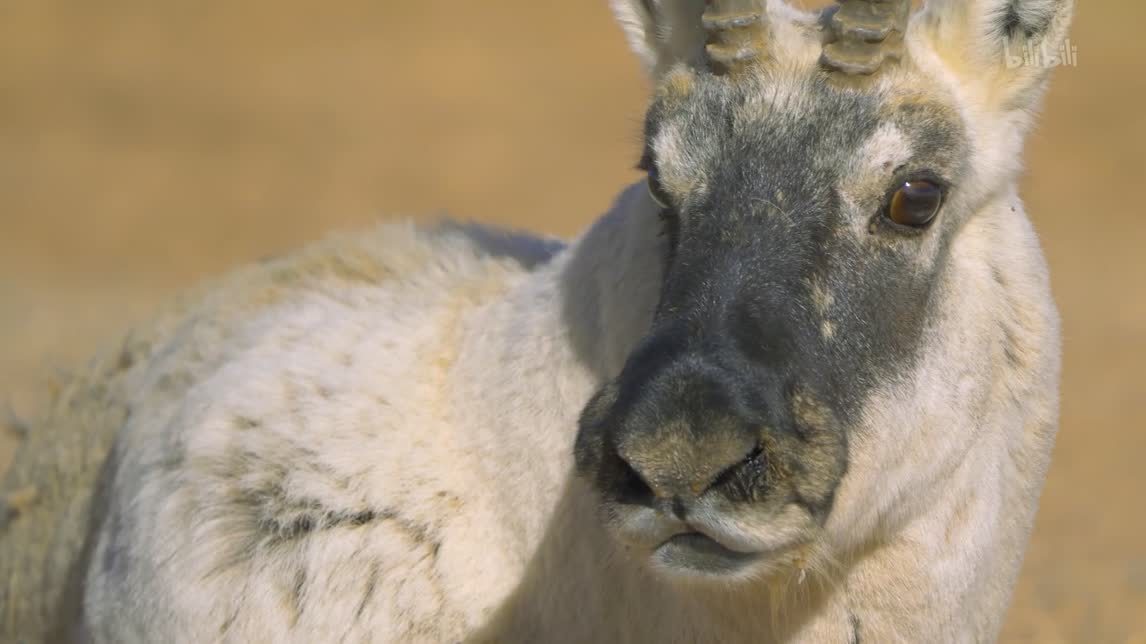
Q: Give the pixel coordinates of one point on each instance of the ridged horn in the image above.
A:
(864, 35)
(737, 34)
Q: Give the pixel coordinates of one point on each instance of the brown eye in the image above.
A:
(915, 203)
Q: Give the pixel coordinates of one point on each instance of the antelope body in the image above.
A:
(800, 385)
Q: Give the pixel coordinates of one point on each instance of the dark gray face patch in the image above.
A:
(1028, 19)
(787, 296)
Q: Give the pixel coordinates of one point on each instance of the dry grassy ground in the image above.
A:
(144, 145)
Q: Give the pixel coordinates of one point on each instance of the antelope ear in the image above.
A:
(1006, 48)
(662, 32)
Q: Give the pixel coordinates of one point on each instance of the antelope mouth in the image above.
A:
(698, 553)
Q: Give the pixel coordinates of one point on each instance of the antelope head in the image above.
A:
(814, 174)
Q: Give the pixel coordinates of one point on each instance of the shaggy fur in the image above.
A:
(372, 439)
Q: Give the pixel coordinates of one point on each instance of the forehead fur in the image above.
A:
(787, 121)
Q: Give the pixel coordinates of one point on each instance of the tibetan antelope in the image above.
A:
(798, 385)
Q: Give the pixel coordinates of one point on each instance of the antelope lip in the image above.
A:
(698, 552)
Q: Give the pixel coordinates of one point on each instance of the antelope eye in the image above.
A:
(915, 203)
(656, 191)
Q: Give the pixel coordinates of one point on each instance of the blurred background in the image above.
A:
(145, 145)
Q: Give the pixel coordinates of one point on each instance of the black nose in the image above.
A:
(685, 432)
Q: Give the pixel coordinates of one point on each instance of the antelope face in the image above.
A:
(809, 198)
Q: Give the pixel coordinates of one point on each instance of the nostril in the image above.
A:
(754, 459)
(632, 488)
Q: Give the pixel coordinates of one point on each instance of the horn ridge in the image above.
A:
(864, 35)
(736, 34)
